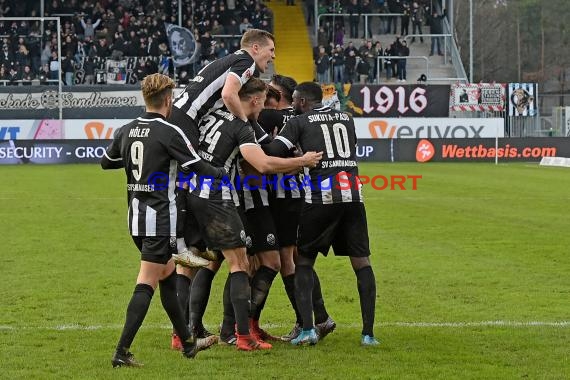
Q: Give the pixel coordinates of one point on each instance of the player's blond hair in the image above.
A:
(255, 36)
(155, 88)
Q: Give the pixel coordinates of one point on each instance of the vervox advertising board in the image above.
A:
(430, 128)
(376, 128)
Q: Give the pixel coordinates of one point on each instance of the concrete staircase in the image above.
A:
(294, 40)
(293, 49)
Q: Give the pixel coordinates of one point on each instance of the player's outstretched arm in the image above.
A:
(112, 158)
(181, 150)
(203, 168)
(268, 164)
(286, 141)
(111, 163)
(231, 98)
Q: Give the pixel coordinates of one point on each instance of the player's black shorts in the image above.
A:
(340, 225)
(286, 214)
(219, 223)
(156, 249)
(187, 124)
(187, 225)
(260, 231)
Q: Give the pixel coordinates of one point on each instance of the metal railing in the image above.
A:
(22, 82)
(427, 72)
(396, 57)
(365, 15)
(444, 36)
(448, 48)
(455, 55)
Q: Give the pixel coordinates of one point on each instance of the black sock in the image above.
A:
(260, 285)
(367, 291)
(136, 311)
(181, 198)
(304, 294)
(201, 287)
(240, 293)
(289, 282)
(183, 284)
(321, 314)
(172, 306)
(228, 324)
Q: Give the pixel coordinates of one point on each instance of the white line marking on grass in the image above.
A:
(510, 324)
(478, 324)
(63, 198)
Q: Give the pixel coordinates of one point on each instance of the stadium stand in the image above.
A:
(344, 27)
(93, 32)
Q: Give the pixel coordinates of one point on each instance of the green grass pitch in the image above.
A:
(472, 269)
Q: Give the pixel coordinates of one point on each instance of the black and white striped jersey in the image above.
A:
(151, 149)
(221, 136)
(272, 121)
(323, 129)
(204, 93)
(260, 135)
(255, 194)
(282, 186)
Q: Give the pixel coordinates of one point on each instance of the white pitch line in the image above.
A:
(66, 199)
(479, 324)
(510, 324)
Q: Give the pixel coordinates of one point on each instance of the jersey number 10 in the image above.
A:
(340, 139)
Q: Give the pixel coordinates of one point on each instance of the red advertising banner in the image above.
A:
(507, 149)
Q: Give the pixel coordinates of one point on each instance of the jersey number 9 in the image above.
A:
(137, 149)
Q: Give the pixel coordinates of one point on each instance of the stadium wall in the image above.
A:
(366, 128)
(369, 150)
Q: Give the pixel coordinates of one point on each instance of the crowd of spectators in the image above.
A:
(337, 60)
(409, 11)
(92, 31)
(351, 64)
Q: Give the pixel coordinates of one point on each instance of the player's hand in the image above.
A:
(311, 159)
(296, 152)
(182, 185)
